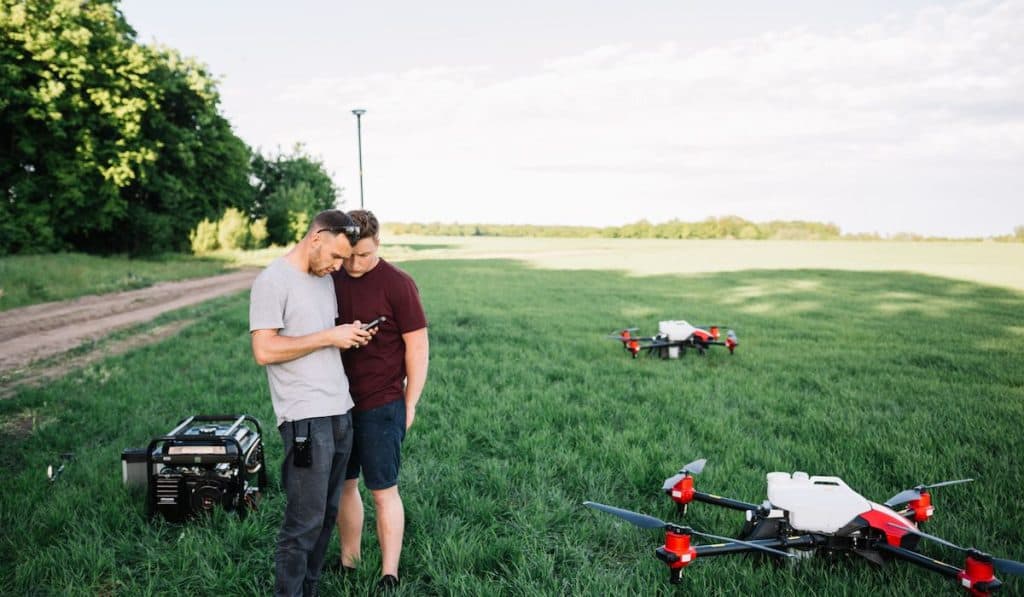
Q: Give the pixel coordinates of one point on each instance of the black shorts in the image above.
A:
(377, 445)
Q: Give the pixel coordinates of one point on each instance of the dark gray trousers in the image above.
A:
(313, 493)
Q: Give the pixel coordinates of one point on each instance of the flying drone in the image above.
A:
(673, 338)
(804, 515)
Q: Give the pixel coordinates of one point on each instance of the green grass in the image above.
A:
(884, 379)
(30, 279)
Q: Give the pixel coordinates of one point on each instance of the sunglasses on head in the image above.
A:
(351, 232)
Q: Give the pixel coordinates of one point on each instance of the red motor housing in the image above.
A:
(634, 347)
(678, 545)
(922, 507)
(977, 571)
(682, 492)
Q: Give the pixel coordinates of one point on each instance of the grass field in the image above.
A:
(886, 379)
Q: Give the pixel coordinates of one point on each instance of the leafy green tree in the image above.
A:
(72, 95)
(105, 144)
(201, 166)
(203, 239)
(290, 190)
(258, 234)
(233, 230)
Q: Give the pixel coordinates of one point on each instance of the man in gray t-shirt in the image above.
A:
(292, 316)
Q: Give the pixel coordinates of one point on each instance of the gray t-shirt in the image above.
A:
(296, 304)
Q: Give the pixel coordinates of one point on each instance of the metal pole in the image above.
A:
(359, 136)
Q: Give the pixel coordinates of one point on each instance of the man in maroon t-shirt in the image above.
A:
(386, 378)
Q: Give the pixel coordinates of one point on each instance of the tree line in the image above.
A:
(110, 145)
(711, 228)
(726, 227)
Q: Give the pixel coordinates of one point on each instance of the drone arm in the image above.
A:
(976, 577)
(721, 549)
(679, 553)
(983, 585)
(716, 500)
(918, 559)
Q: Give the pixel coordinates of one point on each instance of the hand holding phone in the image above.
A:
(373, 324)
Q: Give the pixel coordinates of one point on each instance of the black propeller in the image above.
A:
(649, 522)
(621, 338)
(693, 468)
(1000, 564)
(915, 493)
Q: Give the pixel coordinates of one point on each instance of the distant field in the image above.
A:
(886, 379)
(26, 280)
(998, 264)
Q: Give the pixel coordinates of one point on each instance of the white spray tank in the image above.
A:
(677, 331)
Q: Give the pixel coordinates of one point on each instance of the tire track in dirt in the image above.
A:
(38, 375)
(30, 334)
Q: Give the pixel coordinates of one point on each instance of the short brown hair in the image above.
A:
(369, 227)
(331, 218)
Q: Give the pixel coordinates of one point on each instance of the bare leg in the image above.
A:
(390, 527)
(350, 523)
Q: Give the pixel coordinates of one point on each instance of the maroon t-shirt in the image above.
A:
(376, 372)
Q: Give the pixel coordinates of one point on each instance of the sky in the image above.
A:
(878, 116)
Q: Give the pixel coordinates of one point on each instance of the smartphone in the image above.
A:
(374, 323)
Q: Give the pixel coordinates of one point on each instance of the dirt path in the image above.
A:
(34, 333)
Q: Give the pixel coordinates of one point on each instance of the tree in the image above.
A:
(72, 97)
(201, 166)
(233, 230)
(290, 190)
(203, 238)
(105, 144)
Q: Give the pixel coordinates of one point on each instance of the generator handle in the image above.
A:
(238, 419)
(184, 423)
(237, 422)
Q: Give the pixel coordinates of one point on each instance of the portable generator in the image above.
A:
(206, 461)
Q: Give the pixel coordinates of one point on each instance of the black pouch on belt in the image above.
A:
(302, 450)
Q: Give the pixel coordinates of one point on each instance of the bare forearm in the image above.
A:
(269, 347)
(274, 348)
(417, 360)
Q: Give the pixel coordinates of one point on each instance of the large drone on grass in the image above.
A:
(674, 338)
(805, 515)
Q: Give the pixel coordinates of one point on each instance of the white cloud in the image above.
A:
(870, 128)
